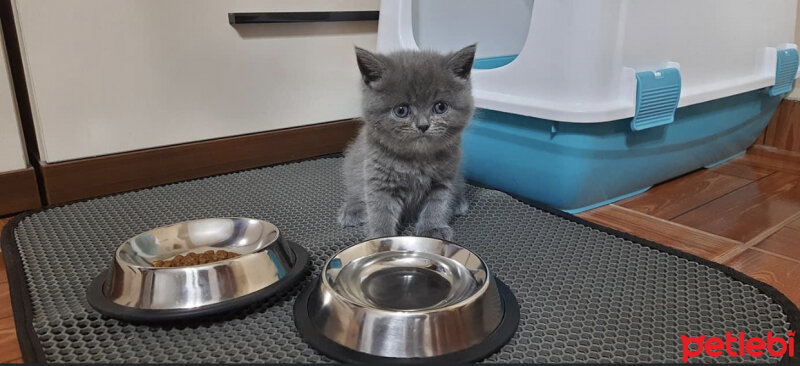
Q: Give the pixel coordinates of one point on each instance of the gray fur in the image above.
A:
(406, 169)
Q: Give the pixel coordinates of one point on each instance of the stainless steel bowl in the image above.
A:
(404, 297)
(134, 286)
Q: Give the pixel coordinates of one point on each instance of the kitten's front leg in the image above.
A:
(384, 210)
(435, 214)
(352, 212)
(459, 202)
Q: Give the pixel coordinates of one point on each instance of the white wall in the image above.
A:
(795, 94)
(446, 25)
(12, 152)
(109, 76)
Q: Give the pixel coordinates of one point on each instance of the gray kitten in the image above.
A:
(403, 166)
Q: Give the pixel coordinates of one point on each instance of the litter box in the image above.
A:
(583, 103)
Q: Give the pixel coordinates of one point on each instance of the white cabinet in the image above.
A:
(108, 76)
(12, 152)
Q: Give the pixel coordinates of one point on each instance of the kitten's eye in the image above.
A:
(440, 107)
(401, 111)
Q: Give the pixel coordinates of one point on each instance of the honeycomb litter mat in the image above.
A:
(587, 293)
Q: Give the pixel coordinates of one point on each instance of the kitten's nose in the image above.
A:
(423, 128)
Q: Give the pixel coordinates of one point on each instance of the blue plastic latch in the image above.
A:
(657, 96)
(785, 71)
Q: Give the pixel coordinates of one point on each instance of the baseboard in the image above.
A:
(783, 131)
(99, 176)
(19, 191)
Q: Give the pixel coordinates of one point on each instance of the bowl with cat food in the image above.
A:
(408, 300)
(196, 268)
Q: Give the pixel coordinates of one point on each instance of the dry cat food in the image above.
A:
(192, 259)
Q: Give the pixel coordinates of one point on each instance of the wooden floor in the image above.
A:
(745, 214)
(9, 347)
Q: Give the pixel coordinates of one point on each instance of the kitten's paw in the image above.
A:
(445, 233)
(351, 216)
(461, 208)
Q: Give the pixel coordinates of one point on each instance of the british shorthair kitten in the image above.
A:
(404, 164)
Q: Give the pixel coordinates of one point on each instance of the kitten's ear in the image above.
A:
(461, 62)
(370, 65)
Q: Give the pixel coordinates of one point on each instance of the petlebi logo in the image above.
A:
(771, 346)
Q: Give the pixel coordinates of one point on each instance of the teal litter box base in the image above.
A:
(577, 166)
(608, 201)
(723, 161)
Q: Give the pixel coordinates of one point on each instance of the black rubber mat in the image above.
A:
(586, 293)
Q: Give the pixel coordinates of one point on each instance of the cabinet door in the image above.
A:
(109, 76)
(12, 152)
(18, 188)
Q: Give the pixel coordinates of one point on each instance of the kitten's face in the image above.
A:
(417, 100)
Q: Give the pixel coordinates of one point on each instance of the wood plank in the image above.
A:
(3, 222)
(5, 301)
(3, 274)
(7, 323)
(19, 360)
(661, 231)
(778, 272)
(9, 345)
(760, 139)
(735, 169)
(785, 242)
(795, 224)
(774, 152)
(771, 158)
(749, 211)
(85, 178)
(19, 191)
(783, 131)
(680, 195)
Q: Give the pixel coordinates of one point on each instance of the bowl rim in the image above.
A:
(472, 298)
(315, 337)
(97, 299)
(195, 266)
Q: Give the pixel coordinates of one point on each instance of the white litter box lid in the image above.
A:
(580, 59)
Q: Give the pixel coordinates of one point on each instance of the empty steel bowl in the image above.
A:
(135, 289)
(406, 298)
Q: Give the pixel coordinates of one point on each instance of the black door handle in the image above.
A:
(302, 17)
